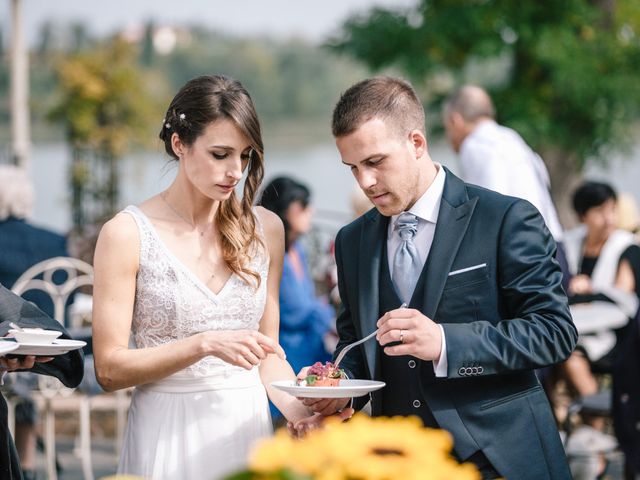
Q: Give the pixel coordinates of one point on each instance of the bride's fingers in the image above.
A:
(241, 361)
(346, 413)
(271, 346)
(251, 357)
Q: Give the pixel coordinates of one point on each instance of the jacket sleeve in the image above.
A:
(68, 368)
(354, 362)
(534, 327)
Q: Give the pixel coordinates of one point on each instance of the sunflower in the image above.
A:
(364, 448)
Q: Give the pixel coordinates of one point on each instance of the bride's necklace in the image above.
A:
(211, 271)
(163, 196)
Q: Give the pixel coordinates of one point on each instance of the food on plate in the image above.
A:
(319, 375)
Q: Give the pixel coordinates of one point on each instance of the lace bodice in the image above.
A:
(173, 303)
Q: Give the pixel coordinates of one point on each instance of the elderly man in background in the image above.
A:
(22, 245)
(496, 157)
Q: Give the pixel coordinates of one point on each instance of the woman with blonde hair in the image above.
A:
(193, 274)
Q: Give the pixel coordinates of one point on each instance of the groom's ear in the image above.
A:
(418, 142)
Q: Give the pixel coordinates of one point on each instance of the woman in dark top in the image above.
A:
(605, 267)
(304, 318)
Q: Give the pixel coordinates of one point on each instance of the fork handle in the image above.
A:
(346, 349)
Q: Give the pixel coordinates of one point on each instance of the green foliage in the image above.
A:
(568, 69)
(103, 100)
(105, 106)
(286, 78)
(293, 82)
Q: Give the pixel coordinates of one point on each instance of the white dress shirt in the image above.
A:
(426, 209)
(497, 158)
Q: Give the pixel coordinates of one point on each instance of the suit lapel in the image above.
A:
(454, 215)
(373, 234)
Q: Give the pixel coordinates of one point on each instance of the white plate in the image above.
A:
(58, 347)
(6, 347)
(346, 389)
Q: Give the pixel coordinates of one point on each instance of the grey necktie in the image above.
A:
(406, 263)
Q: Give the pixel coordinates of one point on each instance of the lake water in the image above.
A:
(318, 165)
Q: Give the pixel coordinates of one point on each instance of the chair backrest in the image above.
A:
(41, 277)
(75, 274)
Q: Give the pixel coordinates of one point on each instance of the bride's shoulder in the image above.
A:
(120, 230)
(271, 226)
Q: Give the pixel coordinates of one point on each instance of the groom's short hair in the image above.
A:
(391, 99)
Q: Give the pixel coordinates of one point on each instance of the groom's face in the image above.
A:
(385, 163)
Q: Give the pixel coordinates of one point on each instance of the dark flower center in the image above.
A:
(388, 451)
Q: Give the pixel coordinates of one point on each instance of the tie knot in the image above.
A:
(407, 225)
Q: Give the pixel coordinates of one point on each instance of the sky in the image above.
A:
(315, 20)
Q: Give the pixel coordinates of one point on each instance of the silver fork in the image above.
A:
(346, 349)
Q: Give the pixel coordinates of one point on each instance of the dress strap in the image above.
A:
(259, 226)
(144, 227)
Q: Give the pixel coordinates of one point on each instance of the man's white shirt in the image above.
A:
(497, 158)
(426, 209)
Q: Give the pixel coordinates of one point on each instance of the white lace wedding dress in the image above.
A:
(201, 422)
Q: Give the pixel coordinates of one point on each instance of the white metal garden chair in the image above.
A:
(52, 395)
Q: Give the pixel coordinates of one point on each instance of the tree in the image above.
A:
(105, 107)
(563, 73)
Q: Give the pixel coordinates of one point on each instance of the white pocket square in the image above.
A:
(468, 269)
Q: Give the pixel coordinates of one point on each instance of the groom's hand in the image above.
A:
(410, 333)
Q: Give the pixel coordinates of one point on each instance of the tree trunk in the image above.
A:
(78, 178)
(113, 187)
(566, 174)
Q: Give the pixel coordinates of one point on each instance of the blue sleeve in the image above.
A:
(299, 307)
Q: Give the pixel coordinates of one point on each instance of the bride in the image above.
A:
(193, 275)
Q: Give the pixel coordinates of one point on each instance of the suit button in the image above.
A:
(474, 370)
(412, 364)
(480, 370)
(462, 371)
(416, 403)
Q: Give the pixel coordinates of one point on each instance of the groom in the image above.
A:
(476, 269)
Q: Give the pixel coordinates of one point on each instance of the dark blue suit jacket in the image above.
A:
(21, 246)
(502, 320)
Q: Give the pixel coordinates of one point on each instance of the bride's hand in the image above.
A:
(302, 427)
(243, 348)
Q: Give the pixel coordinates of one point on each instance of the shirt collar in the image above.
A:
(428, 205)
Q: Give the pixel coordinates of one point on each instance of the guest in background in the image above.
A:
(603, 261)
(22, 245)
(304, 318)
(305, 321)
(496, 157)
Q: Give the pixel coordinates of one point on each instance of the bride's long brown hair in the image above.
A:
(199, 102)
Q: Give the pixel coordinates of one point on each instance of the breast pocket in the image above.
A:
(467, 276)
